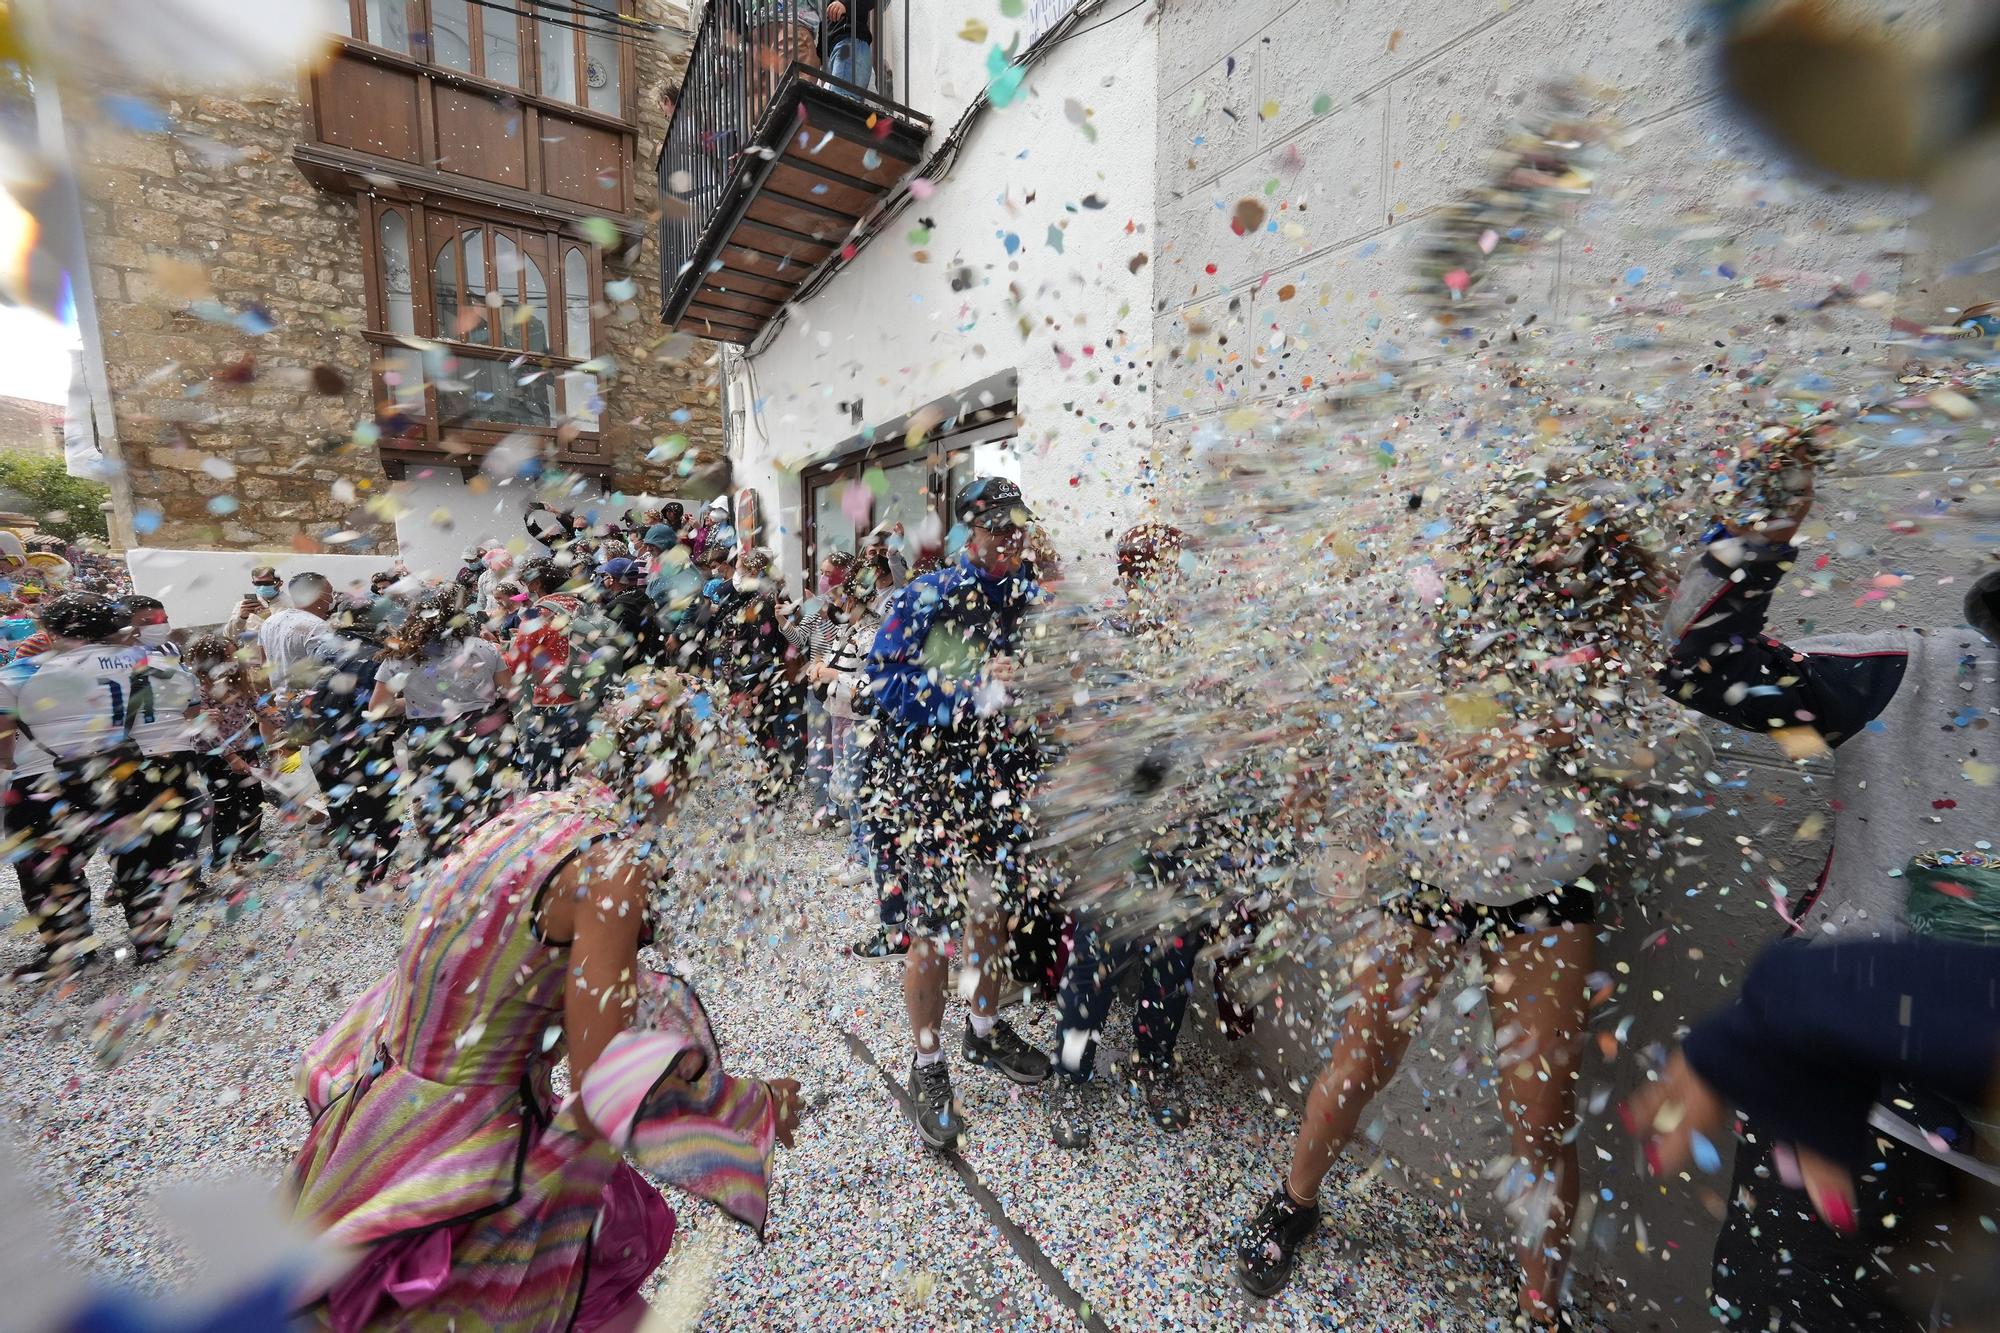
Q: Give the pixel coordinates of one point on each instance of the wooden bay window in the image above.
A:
(573, 51)
(483, 326)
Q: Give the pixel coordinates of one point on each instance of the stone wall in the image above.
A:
(210, 416)
(235, 438)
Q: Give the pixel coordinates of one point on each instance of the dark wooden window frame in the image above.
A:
(984, 413)
(430, 225)
(529, 36)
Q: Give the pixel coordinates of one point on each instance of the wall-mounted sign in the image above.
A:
(1043, 15)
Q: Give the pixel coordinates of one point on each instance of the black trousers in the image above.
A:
(356, 768)
(454, 773)
(144, 813)
(1777, 1266)
(236, 804)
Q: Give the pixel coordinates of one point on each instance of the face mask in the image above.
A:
(155, 635)
(828, 583)
(267, 591)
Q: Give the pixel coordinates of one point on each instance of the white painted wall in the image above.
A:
(442, 514)
(1416, 92)
(203, 587)
(891, 331)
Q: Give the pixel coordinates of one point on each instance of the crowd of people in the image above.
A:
(513, 746)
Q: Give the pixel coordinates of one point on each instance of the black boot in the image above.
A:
(1270, 1246)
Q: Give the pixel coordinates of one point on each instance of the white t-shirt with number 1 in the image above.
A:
(82, 702)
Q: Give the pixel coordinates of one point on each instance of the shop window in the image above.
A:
(894, 483)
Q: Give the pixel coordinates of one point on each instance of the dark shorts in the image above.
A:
(1429, 908)
(955, 825)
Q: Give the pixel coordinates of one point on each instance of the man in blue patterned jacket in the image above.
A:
(949, 773)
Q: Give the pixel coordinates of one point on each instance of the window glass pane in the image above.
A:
(389, 24)
(833, 530)
(996, 458)
(338, 18)
(601, 72)
(403, 379)
(557, 48)
(444, 290)
(451, 34)
(501, 35)
(580, 398)
(474, 321)
(905, 501)
(399, 308)
(479, 389)
(507, 284)
(537, 308)
(576, 305)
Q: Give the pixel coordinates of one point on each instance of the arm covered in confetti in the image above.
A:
(1723, 664)
(897, 677)
(1818, 1030)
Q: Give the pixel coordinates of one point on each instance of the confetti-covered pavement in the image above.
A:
(868, 1230)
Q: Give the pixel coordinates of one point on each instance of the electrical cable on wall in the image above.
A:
(938, 164)
(629, 30)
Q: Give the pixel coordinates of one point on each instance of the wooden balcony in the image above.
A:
(768, 166)
(379, 119)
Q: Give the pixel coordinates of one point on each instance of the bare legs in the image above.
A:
(1536, 991)
(1539, 1000)
(1392, 991)
(925, 970)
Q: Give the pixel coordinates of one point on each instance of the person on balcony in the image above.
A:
(849, 36)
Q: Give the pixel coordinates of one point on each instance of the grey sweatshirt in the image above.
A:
(1912, 715)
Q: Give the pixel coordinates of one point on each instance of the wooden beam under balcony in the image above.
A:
(765, 219)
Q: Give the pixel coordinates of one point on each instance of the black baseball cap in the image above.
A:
(987, 499)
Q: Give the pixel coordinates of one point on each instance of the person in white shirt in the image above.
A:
(96, 736)
(255, 608)
(452, 690)
(295, 638)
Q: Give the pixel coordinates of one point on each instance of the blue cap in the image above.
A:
(616, 568)
(660, 535)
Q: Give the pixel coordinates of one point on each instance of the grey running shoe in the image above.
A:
(1005, 1053)
(1070, 1114)
(1157, 1090)
(1270, 1245)
(938, 1122)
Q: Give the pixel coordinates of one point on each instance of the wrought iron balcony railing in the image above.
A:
(769, 163)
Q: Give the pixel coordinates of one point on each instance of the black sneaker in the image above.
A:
(1069, 1114)
(1270, 1246)
(1005, 1053)
(939, 1123)
(1157, 1090)
(880, 945)
(42, 967)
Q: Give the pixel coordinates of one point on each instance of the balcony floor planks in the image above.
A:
(787, 215)
(712, 293)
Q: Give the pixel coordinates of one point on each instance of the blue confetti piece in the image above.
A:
(135, 113)
(1635, 275)
(1011, 241)
(1726, 270)
(145, 520)
(1705, 1155)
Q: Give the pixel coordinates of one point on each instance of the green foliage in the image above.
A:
(68, 507)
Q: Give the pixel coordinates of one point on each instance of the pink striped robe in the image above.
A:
(437, 1148)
